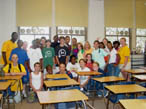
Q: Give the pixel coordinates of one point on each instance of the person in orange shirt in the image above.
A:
(124, 53)
(7, 47)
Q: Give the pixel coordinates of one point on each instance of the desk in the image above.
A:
(140, 77)
(4, 85)
(108, 79)
(59, 96)
(136, 71)
(133, 103)
(10, 78)
(55, 76)
(124, 89)
(58, 83)
(89, 73)
(1, 104)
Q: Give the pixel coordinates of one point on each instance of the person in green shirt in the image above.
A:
(48, 55)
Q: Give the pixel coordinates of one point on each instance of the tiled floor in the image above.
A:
(98, 104)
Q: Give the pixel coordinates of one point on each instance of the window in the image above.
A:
(30, 33)
(74, 32)
(114, 34)
(140, 40)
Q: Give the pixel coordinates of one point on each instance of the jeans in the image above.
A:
(112, 70)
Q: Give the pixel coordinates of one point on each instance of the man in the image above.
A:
(14, 69)
(22, 59)
(35, 54)
(124, 53)
(55, 43)
(62, 52)
(7, 47)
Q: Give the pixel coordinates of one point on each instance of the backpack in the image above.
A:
(19, 66)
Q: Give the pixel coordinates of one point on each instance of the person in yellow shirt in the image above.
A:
(7, 47)
(87, 49)
(14, 69)
(124, 53)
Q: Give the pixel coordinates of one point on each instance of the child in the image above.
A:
(62, 70)
(80, 51)
(36, 78)
(83, 80)
(73, 66)
(89, 61)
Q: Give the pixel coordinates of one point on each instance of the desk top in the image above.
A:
(57, 83)
(136, 71)
(134, 103)
(10, 77)
(4, 85)
(48, 97)
(120, 89)
(109, 79)
(140, 77)
(1, 96)
(55, 76)
(89, 73)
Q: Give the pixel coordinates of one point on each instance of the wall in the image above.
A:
(118, 13)
(7, 19)
(71, 12)
(34, 12)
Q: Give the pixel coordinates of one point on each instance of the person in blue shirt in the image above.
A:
(98, 55)
(22, 59)
(62, 70)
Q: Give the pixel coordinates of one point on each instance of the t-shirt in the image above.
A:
(123, 52)
(34, 55)
(88, 51)
(113, 56)
(72, 68)
(22, 55)
(98, 56)
(48, 54)
(61, 53)
(7, 47)
(80, 55)
(15, 69)
(83, 79)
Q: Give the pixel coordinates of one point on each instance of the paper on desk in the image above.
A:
(142, 77)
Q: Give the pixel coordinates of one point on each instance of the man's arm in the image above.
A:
(4, 58)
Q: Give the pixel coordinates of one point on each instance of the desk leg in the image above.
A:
(43, 106)
(107, 106)
(84, 104)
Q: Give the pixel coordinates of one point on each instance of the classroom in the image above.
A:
(73, 54)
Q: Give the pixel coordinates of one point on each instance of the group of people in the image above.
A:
(46, 57)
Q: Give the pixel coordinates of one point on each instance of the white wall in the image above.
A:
(7, 19)
(95, 20)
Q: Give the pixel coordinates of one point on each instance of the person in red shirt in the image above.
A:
(89, 61)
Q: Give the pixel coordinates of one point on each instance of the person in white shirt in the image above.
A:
(73, 66)
(112, 68)
(35, 54)
(83, 80)
(36, 78)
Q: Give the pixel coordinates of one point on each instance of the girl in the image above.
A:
(89, 61)
(87, 48)
(73, 66)
(36, 78)
(80, 51)
(83, 80)
(112, 67)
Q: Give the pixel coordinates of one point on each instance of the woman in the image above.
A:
(124, 53)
